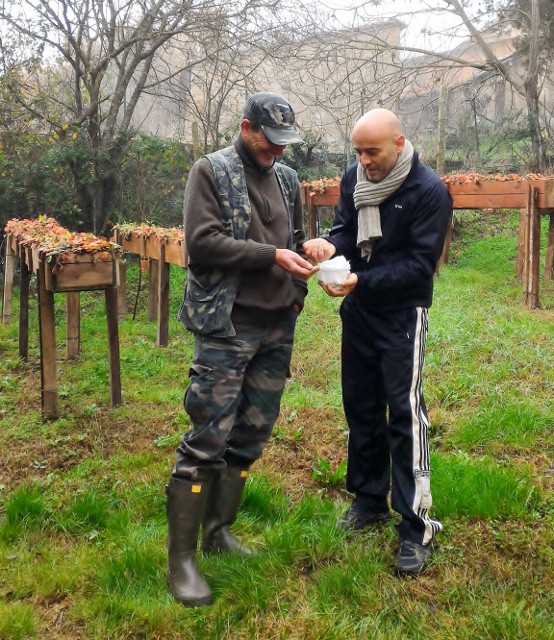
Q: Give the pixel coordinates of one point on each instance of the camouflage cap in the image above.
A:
(275, 115)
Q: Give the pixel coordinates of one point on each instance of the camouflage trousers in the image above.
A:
(234, 397)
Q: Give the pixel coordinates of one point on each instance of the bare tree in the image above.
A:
(535, 21)
(85, 64)
(207, 98)
(341, 67)
(338, 73)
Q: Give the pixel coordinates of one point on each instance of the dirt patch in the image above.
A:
(300, 440)
(33, 457)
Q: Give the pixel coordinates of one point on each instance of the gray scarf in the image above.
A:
(369, 195)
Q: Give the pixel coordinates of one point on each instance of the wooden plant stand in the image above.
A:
(533, 198)
(70, 274)
(160, 254)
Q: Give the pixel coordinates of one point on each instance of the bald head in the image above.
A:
(379, 119)
(378, 140)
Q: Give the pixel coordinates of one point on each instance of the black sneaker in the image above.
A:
(355, 519)
(412, 557)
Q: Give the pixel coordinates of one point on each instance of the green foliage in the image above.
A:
(151, 182)
(323, 472)
(312, 159)
(53, 174)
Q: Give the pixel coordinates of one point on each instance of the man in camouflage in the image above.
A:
(246, 285)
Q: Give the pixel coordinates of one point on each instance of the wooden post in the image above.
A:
(47, 333)
(531, 282)
(121, 280)
(8, 281)
(72, 324)
(111, 298)
(24, 280)
(446, 246)
(122, 290)
(163, 299)
(311, 213)
(153, 290)
(549, 259)
(521, 259)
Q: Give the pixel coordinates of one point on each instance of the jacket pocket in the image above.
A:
(209, 298)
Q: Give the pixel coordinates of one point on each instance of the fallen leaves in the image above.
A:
(173, 235)
(477, 178)
(51, 239)
(472, 177)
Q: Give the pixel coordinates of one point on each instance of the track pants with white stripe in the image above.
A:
(382, 363)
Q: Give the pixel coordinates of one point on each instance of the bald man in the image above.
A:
(390, 223)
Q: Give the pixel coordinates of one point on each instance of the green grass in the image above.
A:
(82, 503)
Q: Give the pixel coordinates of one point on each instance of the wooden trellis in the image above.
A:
(69, 274)
(534, 198)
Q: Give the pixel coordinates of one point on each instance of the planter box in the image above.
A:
(11, 244)
(175, 254)
(327, 198)
(83, 272)
(134, 244)
(485, 195)
(501, 195)
(150, 248)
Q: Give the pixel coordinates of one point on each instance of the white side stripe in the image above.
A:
(420, 432)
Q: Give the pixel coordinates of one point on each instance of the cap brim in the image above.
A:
(281, 137)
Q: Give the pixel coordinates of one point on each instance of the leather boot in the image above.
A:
(185, 508)
(221, 512)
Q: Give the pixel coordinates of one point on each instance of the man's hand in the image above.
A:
(319, 249)
(292, 263)
(342, 289)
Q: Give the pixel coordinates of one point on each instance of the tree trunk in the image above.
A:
(98, 204)
(538, 161)
(441, 142)
(531, 85)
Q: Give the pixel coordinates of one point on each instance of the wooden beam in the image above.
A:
(534, 249)
(163, 299)
(153, 266)
(521, 259)
(110, 295)
(121, 290)
(9, 271)
(47, 335)
(446, 246)
(121, 277)
(24, 280)
(549, 259)
(72, 325)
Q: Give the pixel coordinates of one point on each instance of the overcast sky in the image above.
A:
(428, 24)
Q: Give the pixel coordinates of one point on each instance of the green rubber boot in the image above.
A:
(186, 502)
(221, 512)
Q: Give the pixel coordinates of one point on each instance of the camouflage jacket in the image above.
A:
(210, 292)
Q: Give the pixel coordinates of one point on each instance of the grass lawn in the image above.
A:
(82, 503)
